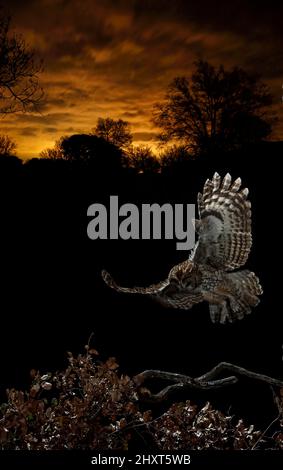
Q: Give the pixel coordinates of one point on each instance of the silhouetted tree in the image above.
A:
(19, 85)
(54, 153)
(142, 159)
(114, 131)
(174, 158)
(9, 163)
(215, 109)
(7, 146)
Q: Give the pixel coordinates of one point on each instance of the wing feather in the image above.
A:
(153, 289)
(225, 236)
(179, 299)
(166, 293)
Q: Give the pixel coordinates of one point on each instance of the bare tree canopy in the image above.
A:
(55, 153)
(141, 158)
(116, 132)
(215, 109)
(19, 70)
(7, 146)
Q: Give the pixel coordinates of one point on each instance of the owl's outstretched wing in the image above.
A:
(165, 292)
(224, 227)
(153, 289)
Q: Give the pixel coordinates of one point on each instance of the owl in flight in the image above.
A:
(210, 273)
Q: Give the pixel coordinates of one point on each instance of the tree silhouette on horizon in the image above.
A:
(86, 148)
(7, 146)
(215, 110)
(141, 159)
(116, 132)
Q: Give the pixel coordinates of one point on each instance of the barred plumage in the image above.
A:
(224, 243)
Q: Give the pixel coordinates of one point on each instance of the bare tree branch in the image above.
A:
(226, 366)
(206, 381)
(19, 71)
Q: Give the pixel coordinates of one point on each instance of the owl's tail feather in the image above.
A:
(153, 289)
(244, 289)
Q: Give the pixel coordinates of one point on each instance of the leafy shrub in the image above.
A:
(91, 406)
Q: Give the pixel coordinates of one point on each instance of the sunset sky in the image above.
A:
(115, 58)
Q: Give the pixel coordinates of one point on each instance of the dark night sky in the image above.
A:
(116, 57)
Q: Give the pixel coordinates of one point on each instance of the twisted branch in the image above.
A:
(207, 381)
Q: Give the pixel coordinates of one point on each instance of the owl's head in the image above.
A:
(183, 274)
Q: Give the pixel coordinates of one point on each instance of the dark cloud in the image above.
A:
(43, 119)
(50, 130)
(144, 136)
(133, 114)
(28, 131)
